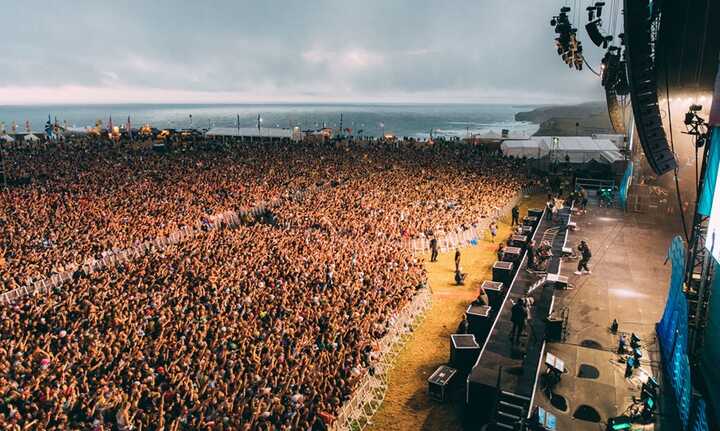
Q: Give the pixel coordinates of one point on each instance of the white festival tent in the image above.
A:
(578, 149)
(30, 138)
(7, 138)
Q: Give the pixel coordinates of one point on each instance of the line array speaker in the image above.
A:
(643, 87)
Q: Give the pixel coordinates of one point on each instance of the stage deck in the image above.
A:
(519, 361)
(629, 282)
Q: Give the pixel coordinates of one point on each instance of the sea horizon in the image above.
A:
(411, 119)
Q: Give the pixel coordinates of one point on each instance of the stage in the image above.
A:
(629, 282)
(500, 385)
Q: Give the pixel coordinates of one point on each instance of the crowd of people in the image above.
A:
(266, 325)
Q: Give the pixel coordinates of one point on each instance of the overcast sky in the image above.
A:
(294, 51)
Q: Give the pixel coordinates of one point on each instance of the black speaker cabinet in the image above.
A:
(503, 272)
(520, 241)
(535, 212)
(512, 254)
(531, 221)
(479, 321)
(553, 329)
(440, 382)
(495, 292)
(527, 230)
(464, 351)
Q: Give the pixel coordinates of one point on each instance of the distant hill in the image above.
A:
(582, 119)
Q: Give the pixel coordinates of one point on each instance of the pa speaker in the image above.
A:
(643, 87)
(594, 32)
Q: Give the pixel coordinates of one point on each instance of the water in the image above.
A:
(414, 120)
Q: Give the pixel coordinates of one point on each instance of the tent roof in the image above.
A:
(579, 143)
(250, 132)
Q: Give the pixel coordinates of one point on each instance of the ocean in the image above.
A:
(411, 120)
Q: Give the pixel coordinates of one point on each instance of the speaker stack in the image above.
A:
(643, 87)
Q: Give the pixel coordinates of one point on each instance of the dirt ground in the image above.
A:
(407, 405)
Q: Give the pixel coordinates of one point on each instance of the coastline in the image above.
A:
(569, 120)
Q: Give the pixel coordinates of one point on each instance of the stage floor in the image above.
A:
(629, 282)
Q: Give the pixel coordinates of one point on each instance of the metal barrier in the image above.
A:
(463, 238)
(355, 414)
(114, 256)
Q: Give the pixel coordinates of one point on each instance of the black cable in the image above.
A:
(672, 146)
(588, 66)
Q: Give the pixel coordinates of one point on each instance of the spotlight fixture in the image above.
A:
(591, 12)
(598, 6)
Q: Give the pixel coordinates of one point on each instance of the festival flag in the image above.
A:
(191, 121)
(259, 120)
(129, 128)
(27, 126)
(238, 124)
(14, 127)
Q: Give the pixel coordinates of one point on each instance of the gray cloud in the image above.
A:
(321, 50)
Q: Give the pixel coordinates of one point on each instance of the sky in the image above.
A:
(405, 51)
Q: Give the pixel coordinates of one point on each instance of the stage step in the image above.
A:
(511, 408)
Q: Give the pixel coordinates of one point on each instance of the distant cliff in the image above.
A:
(583, 119)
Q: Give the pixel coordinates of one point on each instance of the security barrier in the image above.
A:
(355, 414)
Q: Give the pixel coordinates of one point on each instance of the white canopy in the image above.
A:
(529, 148)
(251, 132)
(7, 138)
(30, 137)
(578, 149)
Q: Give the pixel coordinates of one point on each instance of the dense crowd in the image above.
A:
(267, 325)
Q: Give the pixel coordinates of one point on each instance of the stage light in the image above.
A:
(591, 12)
(599, 5)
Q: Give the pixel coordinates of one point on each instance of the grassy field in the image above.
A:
(407, 405)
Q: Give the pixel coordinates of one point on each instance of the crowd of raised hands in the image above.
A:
(265, 325)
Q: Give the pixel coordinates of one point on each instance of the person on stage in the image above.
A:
(586, 254)
(515, 215)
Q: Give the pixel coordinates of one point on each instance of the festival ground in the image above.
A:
(407, 405)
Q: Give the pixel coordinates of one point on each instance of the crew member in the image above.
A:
(457, 259)
(518, 316)
(433, 249)
(501, 251)
(549, 205)
(515, 215)
(531, 256)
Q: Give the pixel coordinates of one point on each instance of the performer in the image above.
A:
(586, 254)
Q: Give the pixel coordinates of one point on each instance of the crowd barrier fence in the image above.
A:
(465, 237)
(355, 414)
(113, 257)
